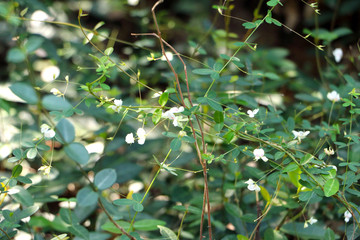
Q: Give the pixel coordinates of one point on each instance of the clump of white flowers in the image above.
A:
(45, 169)
(141, 137)
(299, 135)
(338, 54)
(170, 114)
(347, 216)
(259, 153)
(333, 96)
(117, 105)
(47, 131)
(252, 113)
(252, 186)
(329, 151)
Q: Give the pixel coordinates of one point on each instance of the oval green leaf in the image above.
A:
(66, 131)
(148, 224)
(15, 55)
(175, 144)
(77, 152)
(54, 103)
(331, 187)
(167, 233)
(105, 178)
(25, 92)
(86, 197)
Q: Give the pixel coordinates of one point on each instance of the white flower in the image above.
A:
(133, 2)
(26, 220)
(157, 94)
(182, 133)
(259, 153)
(47, 131)
(129, 139)
(252, 186)
(50, 73)
(338, 54)
(334, 167)
(117, 105)
(300, 134)
(312, 220)
(170, 114)
(56, 92)
(141, 135)
(252, 113)
(347, 216)
(12, 191)
(169, 55)
(329, 151)
(45, 169)
(333, 96)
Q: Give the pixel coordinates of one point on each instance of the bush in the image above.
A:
(179, 127)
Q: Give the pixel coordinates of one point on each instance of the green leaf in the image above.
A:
(80, 231)
(167, 233)
(214, 105)
(203, 71)
(28, 212)
(124, 202)
(110, 227)
(163, 98)
(148, 224)
(175, 144)
(16, 171)
(109, 51)
(23, 197)
(77, 152)
(331, 187)
(86, 197)
(219, 116)
(249, 25)
(65, 130)
(54, 103)
(15, 55)
(272, 3)
(297, 229)
(25, 92)
(68, 216)
(271, 234)
(105, 178)
(33, 43)
(156, 116)
(307, 158)
(138, 207)
(233, 210)
(329, 234)
(31, 153)
(23, 12)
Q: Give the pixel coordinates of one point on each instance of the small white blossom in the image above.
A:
(117, 105)
(329, 151)
(300, 134)
(133, 2)
(333, 96)
(50, 73)
(45, 169)
(141, 135)
(259, 153)
(157, 94)
(338, 54)
(182, 133)
(129, 139)
(347, 216)
(252, 186)
(56, 92)
(312, 220)
(47, 131)
(170, 114)
(252, 113)
(169, 55)
(26, 220)
(12, 191)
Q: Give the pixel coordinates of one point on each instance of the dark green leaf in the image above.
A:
(203, 71)
(25, 92)
(86, 197)
(66, 131)
(148, 224)
(16, 171)
(105, 178)
(15, 55)
(77, 152)
(175, 144)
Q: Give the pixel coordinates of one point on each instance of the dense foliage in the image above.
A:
(179, 119)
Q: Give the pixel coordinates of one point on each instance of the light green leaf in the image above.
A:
(25, 92)
(23, 196)
(203, 71)
(219, 116)
(175, 144)
(109, 51)
(124, 202)
(167, 233)
(31, 153)
(163, 98)
(307, 158)
(156, 116)
(249, 25)
(77, 152)
(331, 187)
(33, 43)
(214, 105)
(148, 224)
(105, 178)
